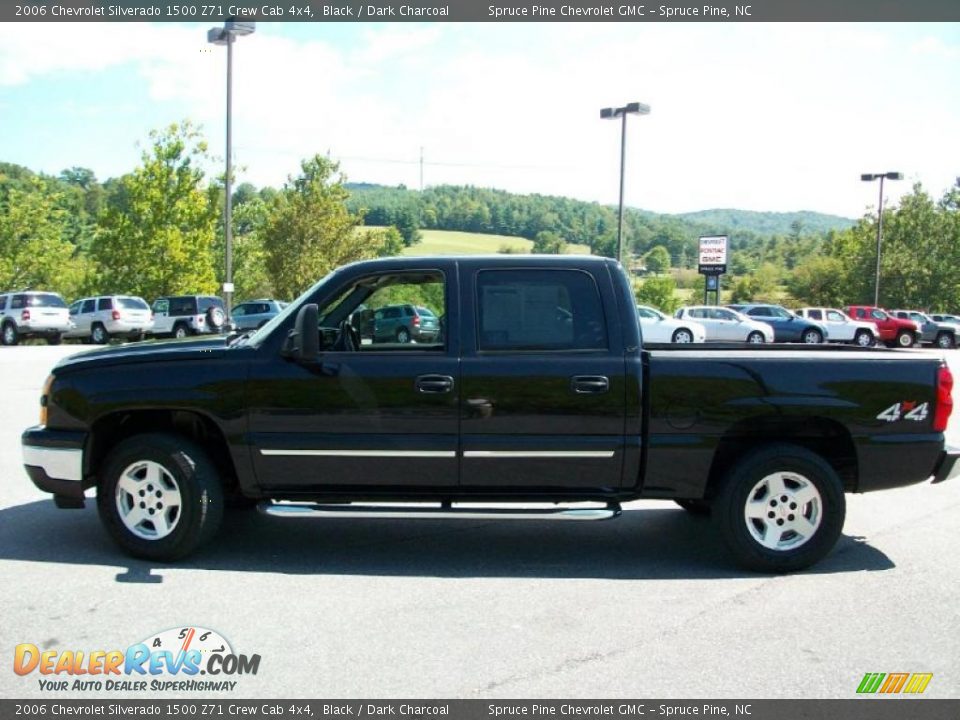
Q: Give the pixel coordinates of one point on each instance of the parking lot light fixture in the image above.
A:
(870, 177)
(634, 108)
(226, 36)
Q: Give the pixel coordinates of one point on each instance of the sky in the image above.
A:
(768, 117)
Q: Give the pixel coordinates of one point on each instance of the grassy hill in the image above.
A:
(448, 242)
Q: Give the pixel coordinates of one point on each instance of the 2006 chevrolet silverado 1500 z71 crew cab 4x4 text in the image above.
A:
(537, 388)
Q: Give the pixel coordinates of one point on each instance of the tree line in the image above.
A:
(158, 230)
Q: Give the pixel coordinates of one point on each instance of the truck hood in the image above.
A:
(150, 351)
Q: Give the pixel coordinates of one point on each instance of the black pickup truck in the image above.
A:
(536, 388)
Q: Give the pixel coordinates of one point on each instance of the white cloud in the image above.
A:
(767, 117)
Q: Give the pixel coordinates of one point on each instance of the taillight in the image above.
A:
(25, 315)
(944, 399)
(416, 321)
(115, 314)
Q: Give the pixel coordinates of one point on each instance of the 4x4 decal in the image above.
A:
(906, 410)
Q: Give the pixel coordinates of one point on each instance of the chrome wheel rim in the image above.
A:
(683, 337)
(98, 334)
(944, 341)
(755, 338)
(180, 332)
(906, 341)
(783, 511)
(148, 500)
(864, 339)
(812, 337)
(8, 335)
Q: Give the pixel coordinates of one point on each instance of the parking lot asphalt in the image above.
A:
(645, 606)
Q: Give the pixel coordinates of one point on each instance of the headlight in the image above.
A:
(45, 399)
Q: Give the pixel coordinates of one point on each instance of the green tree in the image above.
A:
(156, 235)
(310, 231)
(819, 281)
(33, 252)
(660, 292)
(549, 243)
(658, 260)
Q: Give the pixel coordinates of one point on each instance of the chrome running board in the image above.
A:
(433, 512)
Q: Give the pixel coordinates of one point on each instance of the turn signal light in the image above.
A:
(45, 399)
(944, 398)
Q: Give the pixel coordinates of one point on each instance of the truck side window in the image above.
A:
(539, 310)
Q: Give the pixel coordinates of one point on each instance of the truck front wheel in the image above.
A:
(159, 496)
(780, 509)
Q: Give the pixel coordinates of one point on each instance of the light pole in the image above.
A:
(633, 108)
(225, 36)
(870, 177)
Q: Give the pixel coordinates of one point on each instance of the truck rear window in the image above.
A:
(550, 310)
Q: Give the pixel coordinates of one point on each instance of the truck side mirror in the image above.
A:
(303, 341)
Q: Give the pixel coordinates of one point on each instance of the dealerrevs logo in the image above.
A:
(172, 660)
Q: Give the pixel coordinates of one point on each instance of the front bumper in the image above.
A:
(54, 461)
(948, 466)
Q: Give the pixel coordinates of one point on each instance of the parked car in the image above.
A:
(659, 328)
(253, 314)
(941, 334)
(521, 410)
(787, 327)
(30, 314)
(107, 316)
(943, 317)
(894, 331)
(841, 327)
(726, 325)
(405, 323)
(184, 315)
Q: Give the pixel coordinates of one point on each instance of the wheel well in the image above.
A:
(827, 438)
(111, 429)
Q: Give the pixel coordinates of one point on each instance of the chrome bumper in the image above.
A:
(57, 463)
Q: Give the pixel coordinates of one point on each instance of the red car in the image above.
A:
(892, 330)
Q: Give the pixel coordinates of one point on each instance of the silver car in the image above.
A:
(108, 316)
(29, 314)
(253, 314)
(726, 325)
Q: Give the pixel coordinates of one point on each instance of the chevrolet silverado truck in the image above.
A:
(537, 389)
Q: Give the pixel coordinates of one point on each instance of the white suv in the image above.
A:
(100, 318)
(29, 314)
(185, 315)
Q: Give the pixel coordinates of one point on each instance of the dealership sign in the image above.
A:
(713, 255)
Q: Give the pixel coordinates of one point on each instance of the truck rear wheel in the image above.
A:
(780, 509)
(159, 496)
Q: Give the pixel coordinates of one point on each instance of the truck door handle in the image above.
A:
(434, 384)
(595, 384)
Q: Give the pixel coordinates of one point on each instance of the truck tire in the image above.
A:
(904, 339)
(780, 509)
(8, 335)
(159, 496)
(180, 330)
(946, 340)
(55, 339)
